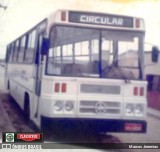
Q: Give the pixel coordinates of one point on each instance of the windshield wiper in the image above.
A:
(114, 64)
(107, 70)
(127, 80)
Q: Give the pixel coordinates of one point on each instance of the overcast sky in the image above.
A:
(21, 15)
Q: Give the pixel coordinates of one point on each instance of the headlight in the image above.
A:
(69, 106)
(58, 106)
(136, 110)
(139, 109)
(130, 108)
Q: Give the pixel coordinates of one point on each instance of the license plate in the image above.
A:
(133, 127)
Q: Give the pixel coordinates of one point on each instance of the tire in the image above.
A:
(27, 107)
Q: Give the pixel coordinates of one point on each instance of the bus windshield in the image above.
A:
(87, 52)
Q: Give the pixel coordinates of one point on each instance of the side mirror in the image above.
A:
(155, 54)
(45, 46)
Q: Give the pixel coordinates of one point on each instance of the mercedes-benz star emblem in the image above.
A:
(100, 108)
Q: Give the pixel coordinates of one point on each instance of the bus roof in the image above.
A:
(89, 19)
(96, 19)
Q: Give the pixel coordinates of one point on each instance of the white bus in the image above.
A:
(84, 70)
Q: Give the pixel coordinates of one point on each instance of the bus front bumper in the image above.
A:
(95, 125)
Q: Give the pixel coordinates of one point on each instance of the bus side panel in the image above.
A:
(20, 82)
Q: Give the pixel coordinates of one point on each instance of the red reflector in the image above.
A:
(56, 87)
(133, 127)
(63, 16)
(135, 91)
(141, 91)
(64, 87)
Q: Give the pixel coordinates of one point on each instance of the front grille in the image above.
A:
(100, 89)
(100, 107)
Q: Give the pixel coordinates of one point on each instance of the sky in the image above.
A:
(21, 15)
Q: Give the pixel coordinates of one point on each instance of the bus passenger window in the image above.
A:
(65, 50)
(29, 54)
(67, 53)
(11, 52)
(107, 52)
(16, 49)
(78, 49)
(7, 54)
(54, 61)
(32, 41)
(70, 49)
(21, 49)
(85, 48)
(95, 46)
(82, 48)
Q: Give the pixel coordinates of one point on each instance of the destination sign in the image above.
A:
(100, 19)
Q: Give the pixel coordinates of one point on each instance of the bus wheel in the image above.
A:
(27, 107)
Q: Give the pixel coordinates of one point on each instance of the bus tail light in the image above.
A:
(138, 91)
(56, 87)
(64, 87)
(63, 16)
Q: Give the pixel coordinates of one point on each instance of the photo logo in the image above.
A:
(9, 137)
(28, 137)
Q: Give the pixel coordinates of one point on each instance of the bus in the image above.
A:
(81, 70)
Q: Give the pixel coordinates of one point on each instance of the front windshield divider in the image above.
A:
(100, 55)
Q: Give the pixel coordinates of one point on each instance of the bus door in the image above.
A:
(38, 71)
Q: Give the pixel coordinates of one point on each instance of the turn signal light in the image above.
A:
(138, 91)
(135, 91)
(56, 87)
(64, 86)
(141, 91)
(60, 87)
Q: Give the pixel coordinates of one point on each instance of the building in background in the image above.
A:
(152, 75)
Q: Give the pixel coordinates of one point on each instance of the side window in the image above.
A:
(38, 47)
(30, 47)
(82, 48)
(9, 53)
(21, 49)
(54, 60)
(16, 49)
(67, 53)
(33, 39)
(13, 51)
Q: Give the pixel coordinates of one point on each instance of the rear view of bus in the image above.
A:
(93, 74)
